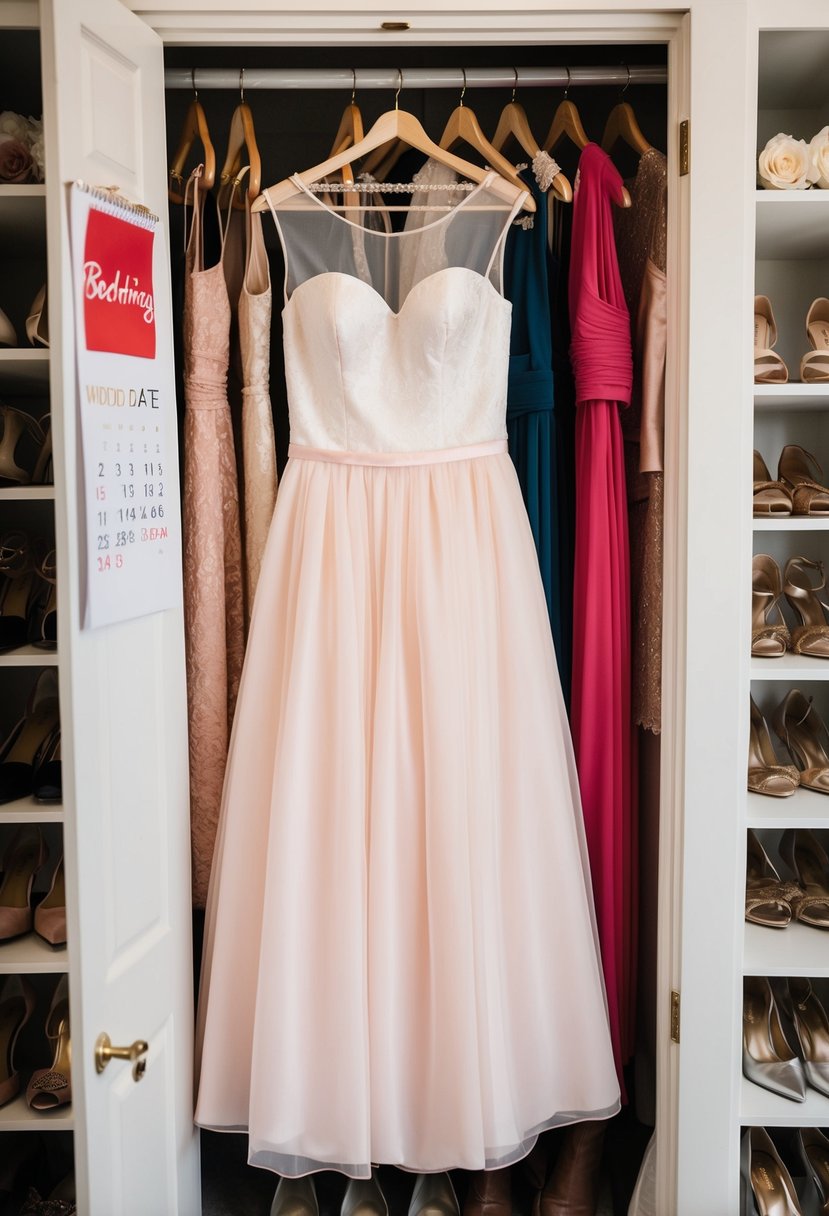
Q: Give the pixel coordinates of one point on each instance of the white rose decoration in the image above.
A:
(14, 125)
(819, 158)
(36, 148)
(785, 164)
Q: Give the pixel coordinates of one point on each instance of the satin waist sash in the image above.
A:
(470, 451)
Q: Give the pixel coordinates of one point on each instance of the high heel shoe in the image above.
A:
(769, 368)
(806, 858)
(764, 1178)
(811, 636)
(814, 366)
(767, 896)
(50, 1088)
(363, 1197)
(47, 783)
(811, 1027)
(295, 1197)
(16, 590)
(799, 725)
(813, 1148)
(17, 1002)
(8, 335)
(768, 1060)
(25, 854)
(770, 497)
(37, 322)
(796, 468)
(44, 634)
(765, 774)
(43, 472)
(17, 426)
(433, 1195)
(30, 739)
(769, 632)
(50, 913)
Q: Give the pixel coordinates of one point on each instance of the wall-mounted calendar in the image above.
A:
(130, 515)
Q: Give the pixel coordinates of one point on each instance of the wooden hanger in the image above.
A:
(350, 131)
(514, 124)
(242, 138)
(621, 124)
(567, 122)
(463, 127)
(395, 124)
(194, 131)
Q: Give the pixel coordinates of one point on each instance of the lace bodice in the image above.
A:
(388, 365)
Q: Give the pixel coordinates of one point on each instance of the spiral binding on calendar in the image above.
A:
(114, 203)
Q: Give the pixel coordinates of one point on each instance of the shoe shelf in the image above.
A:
(804, 809)
(760, 1107)
(27, 494)
(796, 950)
(793, 667)
(26, 810)
(31, 955)
(790, 523)
(24, 370)
(792, 225)
(29, 656)
(16, 1117)
(772, 397)
(22, 219)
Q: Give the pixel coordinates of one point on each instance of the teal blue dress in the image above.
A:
(531, 424)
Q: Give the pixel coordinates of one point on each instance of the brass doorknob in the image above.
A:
(136, 1052)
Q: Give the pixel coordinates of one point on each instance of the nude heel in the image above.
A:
(814, 366)
(769, 368)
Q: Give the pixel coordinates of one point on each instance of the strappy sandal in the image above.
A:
(769, 636)
(796, 468)
(769, 368)
(806, 858)
(811, 636)
(799, 725)
(45, 616)
(765, 773)
(767, 896)
(17, 590)
(814, 366)
(770, 497)
(17, 427)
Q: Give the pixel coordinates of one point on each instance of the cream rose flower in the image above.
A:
(785, 164)
(14, 125)
(819, 158)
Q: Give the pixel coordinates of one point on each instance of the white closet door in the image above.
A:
(122, 687)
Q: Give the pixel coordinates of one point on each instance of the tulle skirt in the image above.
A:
(400, 958)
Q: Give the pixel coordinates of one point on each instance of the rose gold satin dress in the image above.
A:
(213, 593)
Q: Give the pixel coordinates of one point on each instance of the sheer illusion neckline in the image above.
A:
(490, 177)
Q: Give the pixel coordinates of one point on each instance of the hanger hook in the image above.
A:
(463, 90)
(193, 82)
(515, 85)
(399, 88)
(353, 85)
(626, 85)
(242, 85)
(567, 86)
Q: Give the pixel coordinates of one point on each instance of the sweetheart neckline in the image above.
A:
(342, 274)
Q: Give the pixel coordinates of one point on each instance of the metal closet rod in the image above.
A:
(409, 78)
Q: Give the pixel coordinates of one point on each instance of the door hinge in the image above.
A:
(684, 147)
(674, 1016)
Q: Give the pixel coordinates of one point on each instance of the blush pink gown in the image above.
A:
(400, 958)
(600, 351)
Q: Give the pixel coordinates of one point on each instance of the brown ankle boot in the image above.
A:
(573, 1186)
(489, 1193)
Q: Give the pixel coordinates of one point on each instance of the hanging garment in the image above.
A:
(600, 706)
(258, 447)
(213, 593)
(531, 428)
(400, 962)
(641, 240)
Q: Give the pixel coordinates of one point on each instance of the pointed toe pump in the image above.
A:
(295, 1197)
(769, 632)
(769, 368)
(51, 1087)
(25, 854)
(799, 471)
(767, 1185)
(37, 322)
(811, 636)
(806, 858)
(47, 784)
(766, 775)
(363, 1197)
(814, 366)
(798, 724)
(50, 913)
(30, 739)
(768, 1060)
(811, 1027)
(770, 497)
(434, 1195)
(813, 1148)
(767, 896)
(17, 1002)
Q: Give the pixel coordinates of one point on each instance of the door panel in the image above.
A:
(123, 686)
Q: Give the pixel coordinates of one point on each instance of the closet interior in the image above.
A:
(294, 129)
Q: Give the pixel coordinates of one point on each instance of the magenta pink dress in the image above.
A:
(600, 350)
